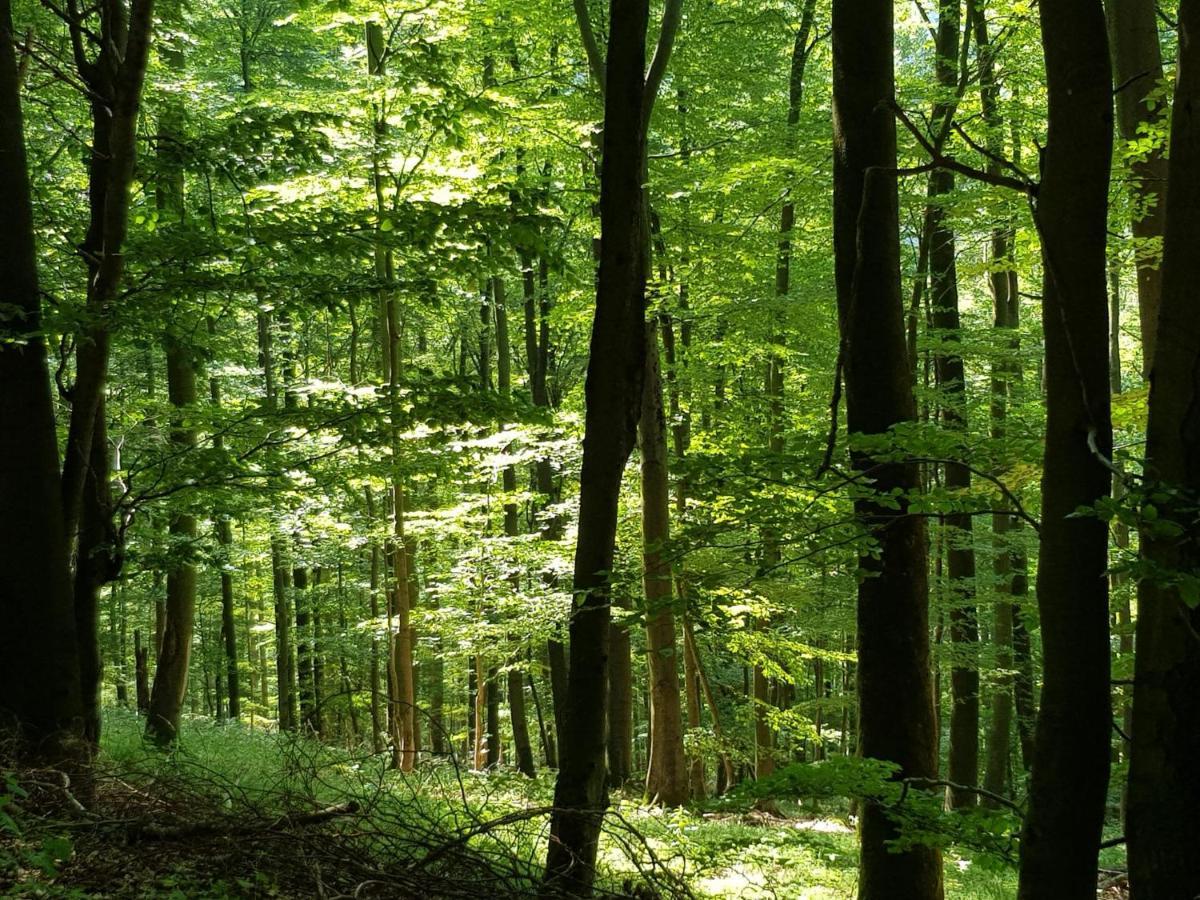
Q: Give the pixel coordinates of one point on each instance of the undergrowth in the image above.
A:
(240, 812)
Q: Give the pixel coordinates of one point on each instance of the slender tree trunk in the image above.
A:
(171, 673)
(667, 776)
(620, 700)
(114, 82)
(228, 627)
(1138, 72)
(1006, 308)
(494, 755)
(1164, 782)
(141, 660)
(522, 749)
(1061, 837)
(896, 716)
(95, 564)
(963, 754)
(613, 398)
(285, 670)
(304, 650)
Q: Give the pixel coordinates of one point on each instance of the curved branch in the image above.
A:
(594, 57)
(672, 15)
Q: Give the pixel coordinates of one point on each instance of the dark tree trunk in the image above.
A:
(1061, 837)
(620, 701)
(285, 666)
(305, 682)
(40, 694)
(1164, 780)
(896, 716)
(493, 754)
(963, 755)
(141, 660)
(522, 749)
(613, 398)
(96, 564)
(228, 630)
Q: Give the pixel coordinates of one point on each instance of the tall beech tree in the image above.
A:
(1138, 74)
(1061, 835)
(895, 693)
(963, 756)
(667, 776)
(171, 674)
(613, 400)
(1164, 784)
(40, 698)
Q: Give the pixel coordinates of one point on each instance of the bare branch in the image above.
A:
(672, 14)
(594, 57)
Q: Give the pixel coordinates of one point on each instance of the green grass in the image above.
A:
(722, 849)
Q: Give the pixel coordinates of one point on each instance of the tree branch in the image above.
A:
(672, 14)
(594, 57)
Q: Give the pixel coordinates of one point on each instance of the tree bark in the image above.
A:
(963, 755)
(1138, 71)
(613, 393)
(40, 694)
(896, 715)
(170, 675)
(1061, 835)
(1005, 370)
(285, 667)
(1164, 783)
(667, 776)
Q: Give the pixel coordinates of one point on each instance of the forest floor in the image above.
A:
(243, 813)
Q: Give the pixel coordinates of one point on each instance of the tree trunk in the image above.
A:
(667, 776)
(493, 754)
(285, 667)
(522, 749)
(1164, 782)
(170, 675)
(620, 700)
(896, 716)
(305, 678)
(228, 629)
(963, 756)
(141, 668)
(1005, 372)
(40, 696)
(1138, 72)
(1061, 836)
(613, 394)
(96, 563)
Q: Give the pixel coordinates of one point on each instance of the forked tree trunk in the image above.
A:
(895, 691)
(613, 394)
(1060, 841)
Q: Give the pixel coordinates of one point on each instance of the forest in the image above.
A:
(620, 448)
